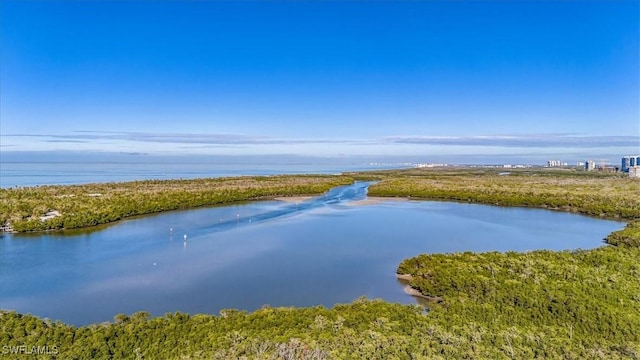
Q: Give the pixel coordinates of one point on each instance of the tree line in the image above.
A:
(578, 304)
(603, 195)
(94, 204)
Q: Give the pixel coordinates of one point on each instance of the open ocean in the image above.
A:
(62, 173)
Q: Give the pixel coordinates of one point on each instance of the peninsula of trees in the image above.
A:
(25, 209)
(55, 207)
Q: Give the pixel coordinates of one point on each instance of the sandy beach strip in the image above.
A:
(414, 292)
(405, 278)
(372, 200)
(293, 199)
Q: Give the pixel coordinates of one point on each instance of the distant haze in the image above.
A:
(53, 157)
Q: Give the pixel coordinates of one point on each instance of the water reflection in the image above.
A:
(335, 196)
(318, 251)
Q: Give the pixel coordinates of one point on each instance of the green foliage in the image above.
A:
(595, 194)
(95, 204)
(629, 236)
(584, 296)
(572, 305)
(362, 330)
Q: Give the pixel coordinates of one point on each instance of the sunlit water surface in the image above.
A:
(326, 250)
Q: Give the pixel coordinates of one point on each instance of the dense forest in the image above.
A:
(599, 194)
(582, 304)
(77, 206)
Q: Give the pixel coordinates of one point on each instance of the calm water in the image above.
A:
(65, 173)
(323, 251)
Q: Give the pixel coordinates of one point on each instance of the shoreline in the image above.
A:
(408, 289)
(293, 199)
(369, 200)
(373, 200)
(417, 293)
(80, 207)
(455, 311)
(255, 188)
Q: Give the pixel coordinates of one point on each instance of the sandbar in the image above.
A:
(372, 200)
(293, 199)
(415, 292)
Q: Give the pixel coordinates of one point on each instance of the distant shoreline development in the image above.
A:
(629, 164)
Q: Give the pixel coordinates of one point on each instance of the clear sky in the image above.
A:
(330, 78)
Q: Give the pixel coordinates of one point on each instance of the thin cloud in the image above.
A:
(221, 140)
(180, 138)
(67, 141)
(535, 140)
(212, 146)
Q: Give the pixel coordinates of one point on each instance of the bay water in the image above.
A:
(329, 249)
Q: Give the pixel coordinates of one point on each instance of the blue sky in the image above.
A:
(415, 78)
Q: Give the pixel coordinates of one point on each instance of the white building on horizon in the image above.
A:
(630, 161)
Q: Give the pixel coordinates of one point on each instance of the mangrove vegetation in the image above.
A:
(75, 206)
(582, 304)
(595, 194)
(542, 304)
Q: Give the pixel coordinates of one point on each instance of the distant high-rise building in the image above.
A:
(590, 165)
(556, 163)
(629, 162)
